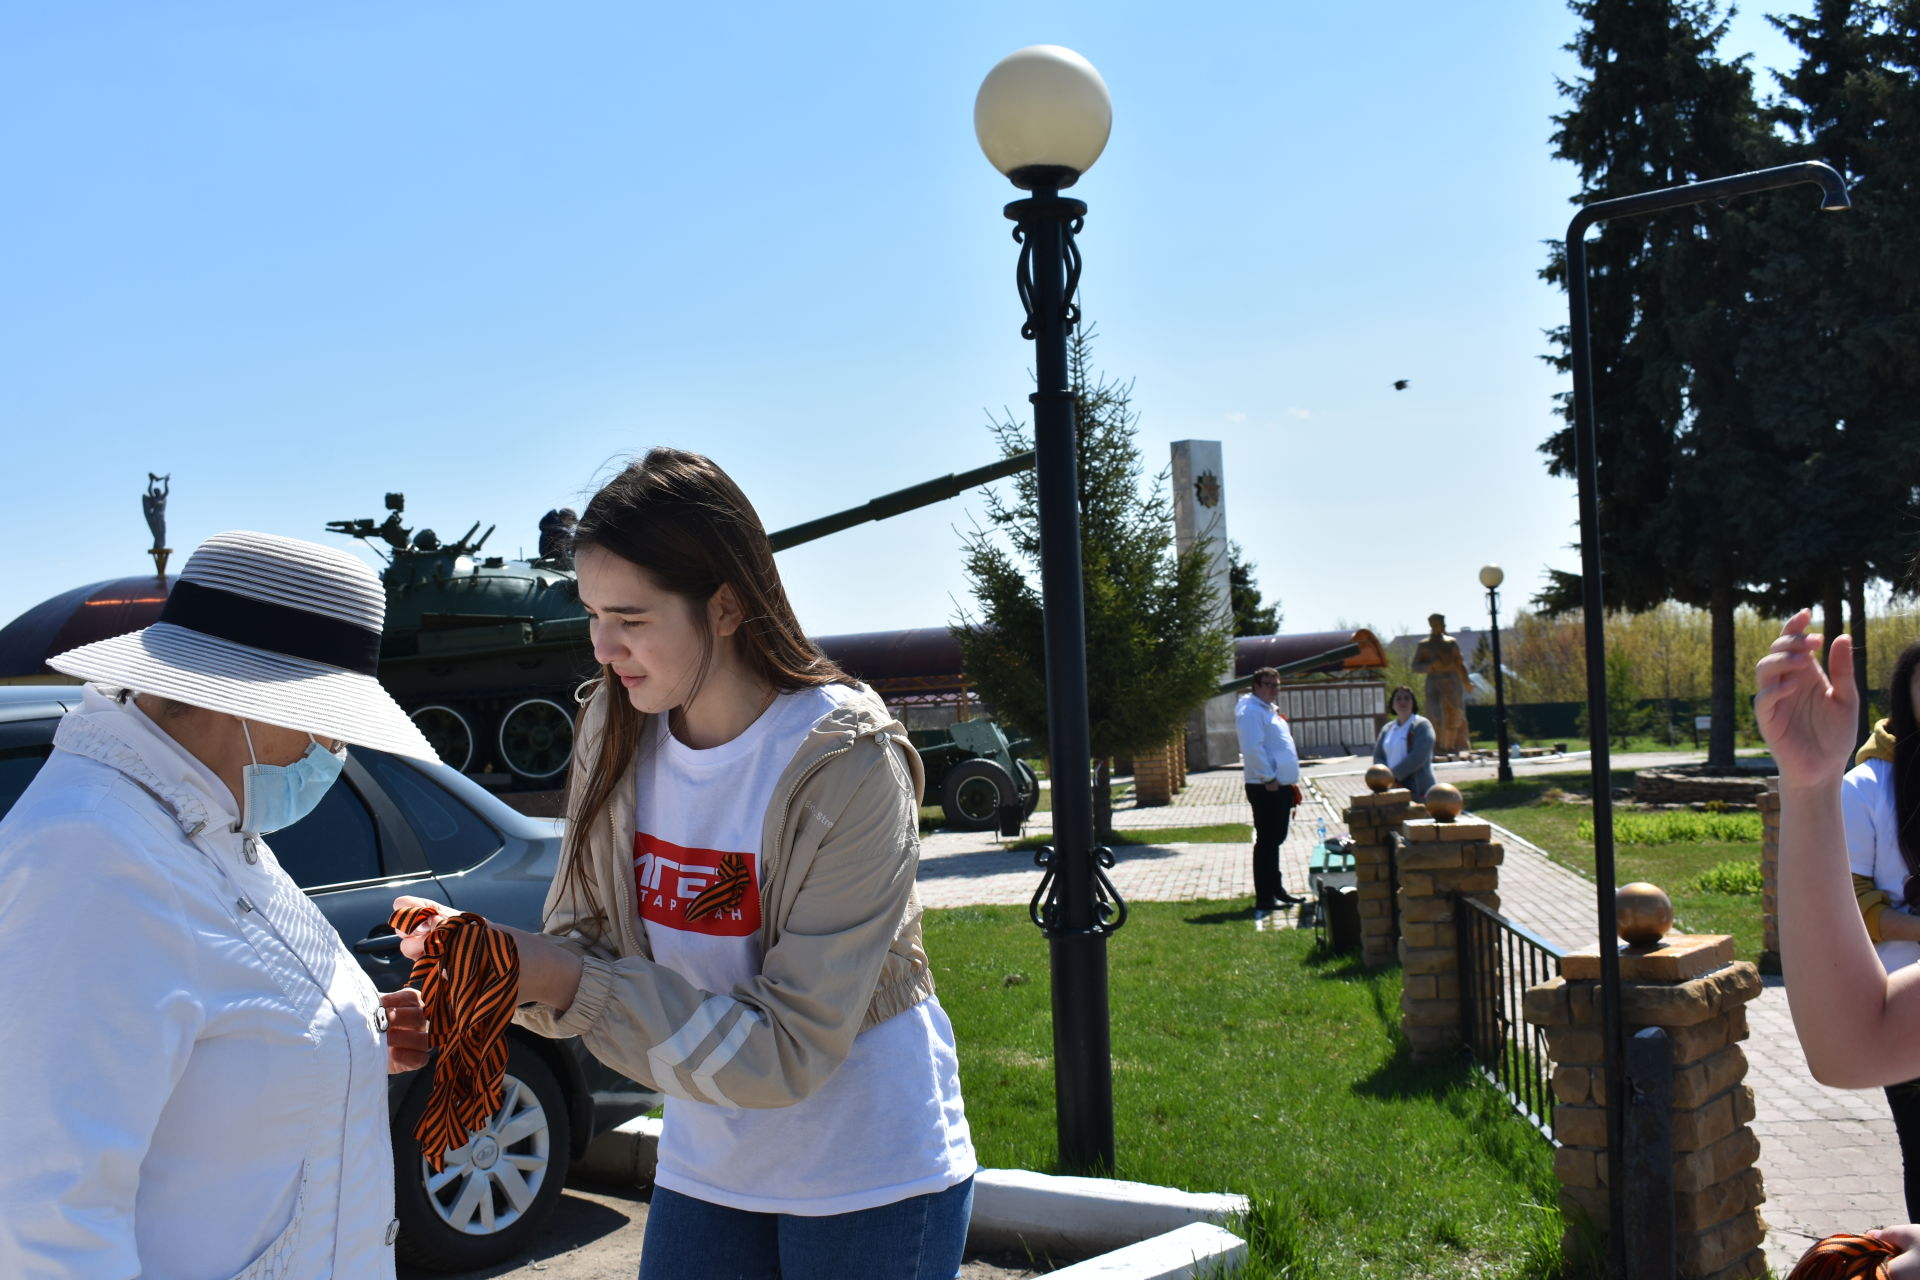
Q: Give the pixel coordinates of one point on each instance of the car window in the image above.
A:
(17, 767)
(452, 835)
(335, 844)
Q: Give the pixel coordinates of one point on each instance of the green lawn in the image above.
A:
(1246, 1062)
(1533, 808)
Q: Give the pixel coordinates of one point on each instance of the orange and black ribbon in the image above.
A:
(469, 980)
(1844, 1257)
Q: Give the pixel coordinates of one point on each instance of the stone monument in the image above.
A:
(1438, 659)
(1200, 519)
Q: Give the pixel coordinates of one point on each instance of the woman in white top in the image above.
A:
(735, 922)
(194, 1064)
(1405, 744)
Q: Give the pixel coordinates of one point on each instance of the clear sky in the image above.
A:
(300, 255)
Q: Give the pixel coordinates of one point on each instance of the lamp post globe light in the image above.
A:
(1042, 117)
(1491, 577)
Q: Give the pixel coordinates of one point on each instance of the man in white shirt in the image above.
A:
(1273, 776)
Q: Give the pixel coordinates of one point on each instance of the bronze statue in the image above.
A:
(154, 503)
(1438, 659)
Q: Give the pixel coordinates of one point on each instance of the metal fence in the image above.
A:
(1499, 960)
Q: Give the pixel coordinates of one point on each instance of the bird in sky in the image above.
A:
(1400, 384)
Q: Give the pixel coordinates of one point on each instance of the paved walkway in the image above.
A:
(1829, 1156)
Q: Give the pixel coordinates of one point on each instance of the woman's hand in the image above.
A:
(1906, 1264)
(549, 972)
(408, 1045)
(1809, 720)
(414, 945)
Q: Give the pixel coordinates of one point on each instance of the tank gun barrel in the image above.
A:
(902, 501)
(1308, 663)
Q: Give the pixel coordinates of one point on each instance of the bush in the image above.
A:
(1678, 826)
(1728, 877)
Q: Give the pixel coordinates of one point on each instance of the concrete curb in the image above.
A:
(1124, 1230)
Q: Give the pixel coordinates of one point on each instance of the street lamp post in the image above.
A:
(1593, 604)
(1042, 117)
(1491, 578)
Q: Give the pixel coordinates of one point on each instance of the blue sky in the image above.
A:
(298, 256)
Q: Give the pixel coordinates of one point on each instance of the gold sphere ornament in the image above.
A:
(1379, 777)
(1444, 802)
(1644, 913)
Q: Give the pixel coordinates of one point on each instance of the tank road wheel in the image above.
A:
(536, 737)
(972, 793)
(1028, 783)
(448, 733)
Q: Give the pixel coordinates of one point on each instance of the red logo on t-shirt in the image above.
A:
(697, 890)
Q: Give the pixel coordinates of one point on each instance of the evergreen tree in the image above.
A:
(1155, 650)
(1250, 616)
(1686, 487)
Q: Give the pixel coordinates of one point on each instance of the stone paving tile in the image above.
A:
(1829, 1156)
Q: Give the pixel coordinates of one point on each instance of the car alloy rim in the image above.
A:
(488, 1184)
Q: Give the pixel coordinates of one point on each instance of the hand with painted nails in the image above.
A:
(1809, 717)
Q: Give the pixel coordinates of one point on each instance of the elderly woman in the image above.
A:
(194, 1063)
(1405, 744)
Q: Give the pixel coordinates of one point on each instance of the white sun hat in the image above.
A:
(270, 629)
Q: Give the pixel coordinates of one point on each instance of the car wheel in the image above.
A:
(973, 792)
(492, 1194)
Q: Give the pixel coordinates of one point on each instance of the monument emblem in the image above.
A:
(1207, 489)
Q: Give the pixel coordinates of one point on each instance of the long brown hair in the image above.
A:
(681, 519)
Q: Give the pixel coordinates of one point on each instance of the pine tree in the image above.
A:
(1685, 484)
(1155, 649)
(1250, 616)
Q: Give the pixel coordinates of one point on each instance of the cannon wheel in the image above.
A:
(536, 738)
(448, 733)
(1029, 784)
(973, 792)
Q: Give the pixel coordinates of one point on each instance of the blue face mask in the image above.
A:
(274, 796)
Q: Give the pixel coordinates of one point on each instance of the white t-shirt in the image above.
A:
(1394, 744)
(888, 1124)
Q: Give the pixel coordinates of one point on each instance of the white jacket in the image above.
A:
(193, 1062)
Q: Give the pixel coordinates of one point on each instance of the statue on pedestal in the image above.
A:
(154, 504)
(1438, 659)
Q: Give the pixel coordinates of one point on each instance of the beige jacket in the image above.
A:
(840, 926)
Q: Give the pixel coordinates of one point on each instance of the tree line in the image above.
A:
(1754, 362)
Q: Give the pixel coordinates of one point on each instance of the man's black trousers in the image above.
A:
(1272, 810)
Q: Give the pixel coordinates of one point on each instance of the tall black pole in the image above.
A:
(1075, 905)
(1499, 685)
(1593, 605)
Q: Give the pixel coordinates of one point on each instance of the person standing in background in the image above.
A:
(1273, 784)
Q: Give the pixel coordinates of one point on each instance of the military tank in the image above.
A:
(485, 652)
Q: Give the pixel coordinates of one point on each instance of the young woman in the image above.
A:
(735, 923)
(1405, 744)
(1858, 1024)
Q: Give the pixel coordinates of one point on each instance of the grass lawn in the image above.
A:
(1246, 1062)
(1529, 807)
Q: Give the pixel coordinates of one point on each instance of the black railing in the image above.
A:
(1499, 960)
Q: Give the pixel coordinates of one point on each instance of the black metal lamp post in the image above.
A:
(1491, 578)
(1833, 197)
(1042, 117)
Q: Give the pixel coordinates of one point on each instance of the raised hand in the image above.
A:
(1809, 720)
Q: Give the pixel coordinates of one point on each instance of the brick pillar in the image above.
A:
(1370, 819)
(1152, 779)
(1440, 860)
(1694, 989)
(1769, 802)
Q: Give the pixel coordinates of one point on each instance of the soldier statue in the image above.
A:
(1438, 659)
(556, 537)
(154, 503)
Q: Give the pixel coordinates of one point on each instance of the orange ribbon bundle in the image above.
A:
(468, 978)
(1844, 1257)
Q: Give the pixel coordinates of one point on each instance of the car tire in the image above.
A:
(973, 793)
(486, 1204)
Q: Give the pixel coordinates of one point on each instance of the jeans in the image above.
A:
(921, 1238)
(1272, 811)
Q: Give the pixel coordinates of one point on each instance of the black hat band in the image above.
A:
(277, 628)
